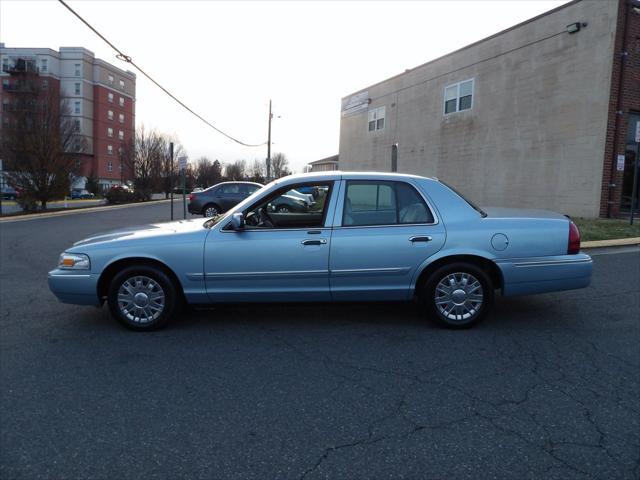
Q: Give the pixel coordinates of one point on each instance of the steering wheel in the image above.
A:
(252, 219)
(265, 219)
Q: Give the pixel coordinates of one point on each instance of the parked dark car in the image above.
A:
(78, 193)
(220, 198)
(9, 193)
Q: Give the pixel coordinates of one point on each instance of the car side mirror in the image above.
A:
(237, 221)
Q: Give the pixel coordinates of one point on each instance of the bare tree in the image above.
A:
(37, 145)
(144, 156)
(236, 170)
(257, 172)
(208, 173)
(279, 165)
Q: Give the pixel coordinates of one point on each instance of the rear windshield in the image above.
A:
(471, 204)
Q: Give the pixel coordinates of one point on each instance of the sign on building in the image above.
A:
(355, 103)
(620, 164)
(638, 131)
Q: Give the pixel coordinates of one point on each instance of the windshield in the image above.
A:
(471, 204)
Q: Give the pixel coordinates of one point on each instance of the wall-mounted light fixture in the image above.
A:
(573, 27)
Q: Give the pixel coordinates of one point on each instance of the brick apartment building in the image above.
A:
(540, 115)
(101, 99)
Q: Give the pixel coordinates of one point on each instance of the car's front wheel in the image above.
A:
(142, 298)
(458, 295)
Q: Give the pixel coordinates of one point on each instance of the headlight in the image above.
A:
(74, 261)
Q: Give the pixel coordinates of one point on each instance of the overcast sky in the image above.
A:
(226, 59)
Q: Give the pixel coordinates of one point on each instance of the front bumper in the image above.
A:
(74, 286)
(526, 276)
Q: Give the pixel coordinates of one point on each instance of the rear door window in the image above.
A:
(383, 203)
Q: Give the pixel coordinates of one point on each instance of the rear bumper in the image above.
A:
(526, 276)
(75, 287)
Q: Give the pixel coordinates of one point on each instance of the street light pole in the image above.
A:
(269, 145)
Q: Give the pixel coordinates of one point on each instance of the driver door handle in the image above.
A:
(320, 241)
(425, 238)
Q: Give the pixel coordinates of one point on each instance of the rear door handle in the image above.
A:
(320, 241)
(425, 238)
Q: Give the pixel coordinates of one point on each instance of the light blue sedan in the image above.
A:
(372, 237)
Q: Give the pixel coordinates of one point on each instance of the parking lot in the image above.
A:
(547, 387)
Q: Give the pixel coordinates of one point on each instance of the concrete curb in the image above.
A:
(37, 216)
(618, 242)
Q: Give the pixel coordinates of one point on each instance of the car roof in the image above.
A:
(340, 175)
(238, 182)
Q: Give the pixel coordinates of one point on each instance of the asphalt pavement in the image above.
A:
(547, 387)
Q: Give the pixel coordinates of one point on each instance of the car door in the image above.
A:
(276, 257)
(383, 231)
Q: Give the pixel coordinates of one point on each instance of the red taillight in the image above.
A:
(574, 239)
(191, 197)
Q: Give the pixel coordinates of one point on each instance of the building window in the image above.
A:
(376, 119)
(109, 166)
(458, 97)
(44, 65)
(110, 79)
(109, 132)
(110, 114)
(110, 97)
(77, 70)
(121, 117)
(76, 125)
(122, 101)
(78, 148)
(121, 135)
(5, 64)
(77, 88)
(45, 84)
(77, 159)
(121, 83)
(110, 149)
(76, 107)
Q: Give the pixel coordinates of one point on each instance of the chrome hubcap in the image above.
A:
(283, 210)
(211, 212)
(141, 299)
(459, 296)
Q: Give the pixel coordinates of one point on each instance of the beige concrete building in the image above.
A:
(522, 118)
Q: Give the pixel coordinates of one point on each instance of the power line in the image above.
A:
(126, 58)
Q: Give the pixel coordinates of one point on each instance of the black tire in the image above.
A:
(467, 313)
(213, 207)
(131, 315)
(283, 209)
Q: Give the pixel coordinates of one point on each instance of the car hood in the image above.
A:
(153, 230)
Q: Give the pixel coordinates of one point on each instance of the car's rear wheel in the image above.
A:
(142, 298)
(210, 210)
(458, 295)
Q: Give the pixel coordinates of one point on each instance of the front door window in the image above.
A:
(291, 208)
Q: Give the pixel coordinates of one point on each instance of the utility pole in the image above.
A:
(171, 177)
(269, 145)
